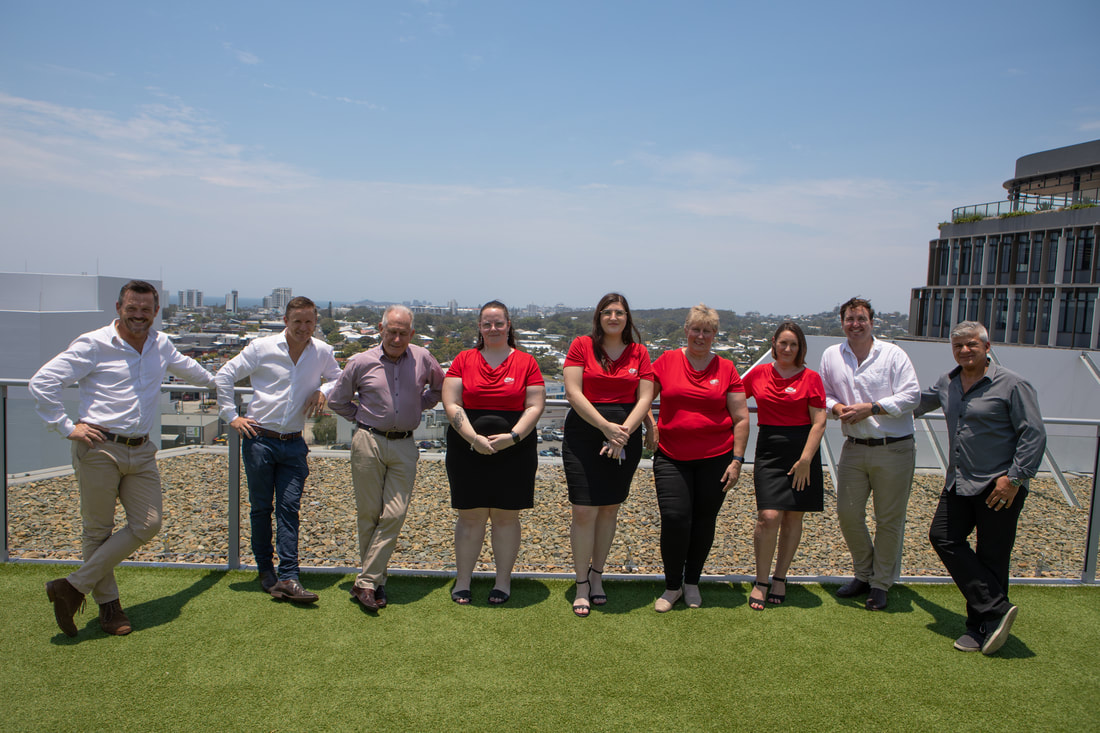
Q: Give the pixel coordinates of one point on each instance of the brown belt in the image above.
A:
(277, 436)
(387, 434)
(108, 435)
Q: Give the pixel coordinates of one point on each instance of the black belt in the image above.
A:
(131, 442)
(878, 441)
(277, 436)
(388, 434)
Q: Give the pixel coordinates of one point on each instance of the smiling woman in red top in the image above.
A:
(609, 384)
(493, 395)
(790, 408)
(703, 429)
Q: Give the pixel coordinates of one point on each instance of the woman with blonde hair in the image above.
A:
(702, 431)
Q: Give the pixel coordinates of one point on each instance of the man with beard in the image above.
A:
(119, 369)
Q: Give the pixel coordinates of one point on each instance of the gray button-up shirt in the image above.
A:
(994, 429)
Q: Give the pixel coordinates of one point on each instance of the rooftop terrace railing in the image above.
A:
(829, 455)
(1026, 204)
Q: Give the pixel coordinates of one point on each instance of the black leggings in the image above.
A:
(689, 495)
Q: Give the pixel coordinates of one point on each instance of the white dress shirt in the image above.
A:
(280, 388)
(119, 388)
(886, 376)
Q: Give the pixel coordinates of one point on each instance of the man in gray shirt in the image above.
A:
(996, 444)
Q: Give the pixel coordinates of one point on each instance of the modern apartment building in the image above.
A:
(190, 299)
(1027, 266)
(232, 302)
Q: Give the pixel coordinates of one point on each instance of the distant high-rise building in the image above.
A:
(452, 306)
(231, 302)
(1027, 267)
(280, 297)
(191, 299)
(268, 300)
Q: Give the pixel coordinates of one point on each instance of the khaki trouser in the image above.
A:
(111, 473)
(382, 473)
(884, 474)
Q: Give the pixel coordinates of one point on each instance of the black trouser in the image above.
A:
(980, 572)
(689, 495)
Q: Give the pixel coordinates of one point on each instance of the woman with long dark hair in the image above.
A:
(493, 395)
(790, 410)
(609, 385)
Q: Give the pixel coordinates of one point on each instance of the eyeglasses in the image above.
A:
(613, 312)
(498, 325)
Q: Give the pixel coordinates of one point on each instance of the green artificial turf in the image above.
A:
(210, 651)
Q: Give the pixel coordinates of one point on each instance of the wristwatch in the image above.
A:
(876, 409)
(1016, 482)
(515, 436)
(739, 458)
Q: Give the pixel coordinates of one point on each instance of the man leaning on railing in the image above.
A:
(119, 369)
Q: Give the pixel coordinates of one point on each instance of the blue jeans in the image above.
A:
(276, 471)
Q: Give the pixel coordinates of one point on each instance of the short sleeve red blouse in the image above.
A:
(617, 385)
(784, 402)
(503, 388)
(694, 420)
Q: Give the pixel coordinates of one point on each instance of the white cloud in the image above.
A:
(243, 56)
(165, 187)
(1089, 126)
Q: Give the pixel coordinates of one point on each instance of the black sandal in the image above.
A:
(497, 597)
(462, 597)
(581, 611)
(777, 598)
(599, 599)
(758, 604)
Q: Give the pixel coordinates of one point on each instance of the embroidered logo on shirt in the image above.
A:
(632, 370)
(714, 381)
(790, 390)
(509, 379)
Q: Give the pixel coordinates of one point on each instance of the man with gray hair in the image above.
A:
(997, 440)
(393, 383)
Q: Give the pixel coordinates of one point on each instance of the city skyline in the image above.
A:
(764, 159)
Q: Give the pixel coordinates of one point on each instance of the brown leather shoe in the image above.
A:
(366, 597)
(66, 601)
(380, 596)
(292, 590)
(112, 619)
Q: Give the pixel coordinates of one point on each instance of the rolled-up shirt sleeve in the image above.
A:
(343, 388)
(1031, 436)
(60, 372)
(906, 389)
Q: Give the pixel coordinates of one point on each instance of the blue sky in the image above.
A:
(754, 156)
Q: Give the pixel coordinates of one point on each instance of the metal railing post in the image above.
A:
(233, 559)
(4, 468)
(1092, 535)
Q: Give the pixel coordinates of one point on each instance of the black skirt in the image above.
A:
(504, 480)
(596, 480)
(778, 448)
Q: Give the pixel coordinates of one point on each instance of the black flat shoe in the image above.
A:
(462, 597)
(497, 597)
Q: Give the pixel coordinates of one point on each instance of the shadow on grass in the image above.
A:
(150, 614)
(951, 625)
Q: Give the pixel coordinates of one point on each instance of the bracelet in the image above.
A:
(515, 436)
(738, 458)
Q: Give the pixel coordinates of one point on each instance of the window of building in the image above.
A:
(1000, 320)
(1052, 255)
(937, 311)
(975, 301)
(948, 301)
(979, 246)
(1032, 311)
(1022, 252)
(964, 257)
(992, 267)
(1044, 314)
